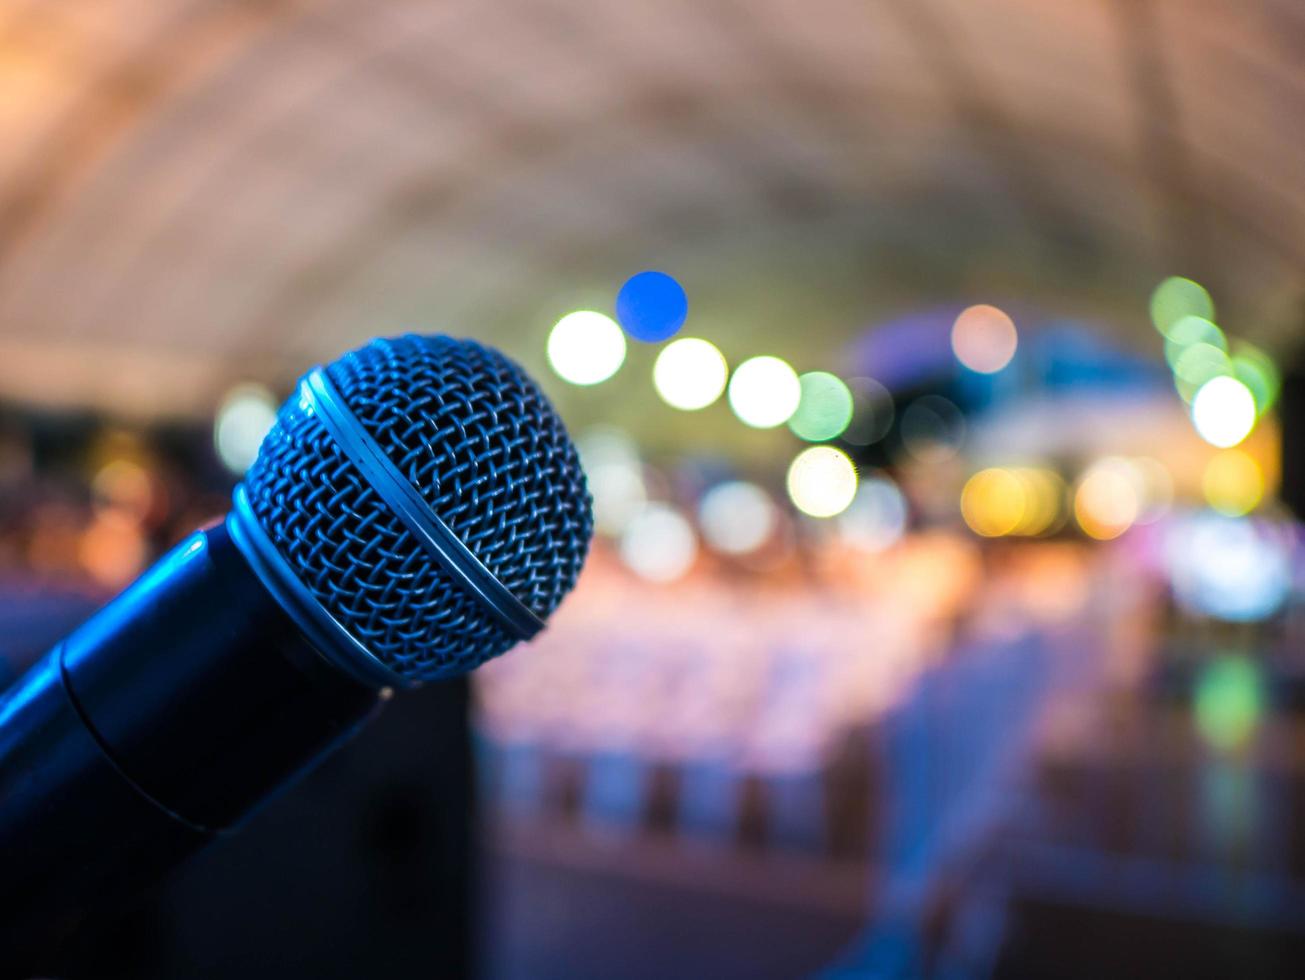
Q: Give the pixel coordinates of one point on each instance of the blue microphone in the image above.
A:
(417, 509)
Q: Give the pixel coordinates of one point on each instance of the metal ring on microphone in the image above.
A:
(327, 635)
(320, 397)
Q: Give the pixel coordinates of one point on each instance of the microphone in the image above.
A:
(417, 509)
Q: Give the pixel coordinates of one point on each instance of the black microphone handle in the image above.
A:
(157, 725)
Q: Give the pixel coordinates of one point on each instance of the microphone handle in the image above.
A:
(160, 723)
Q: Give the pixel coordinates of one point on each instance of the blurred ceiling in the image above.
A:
(195, 192)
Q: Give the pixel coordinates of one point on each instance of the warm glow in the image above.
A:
(1044, 499)
(586, 347)
(764, 392)
(993, 502)
(690, 373)
(1109, 499)
(126, 486)
(822, 481)
(1233, 483)
(113, 549)
(984, 339)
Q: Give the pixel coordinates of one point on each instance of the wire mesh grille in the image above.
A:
(484, 448)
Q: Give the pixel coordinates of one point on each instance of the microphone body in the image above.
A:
(416, 509)
(157, 725)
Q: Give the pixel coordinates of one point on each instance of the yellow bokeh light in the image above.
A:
(984, 339)
(822, 481)
(586, 347)
(124, 485)
(993, 502)
(1108, 499)
(690, 373)
(764, 392)
(1044, 498)
(1233, 483)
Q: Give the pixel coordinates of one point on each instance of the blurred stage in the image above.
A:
(937, 372)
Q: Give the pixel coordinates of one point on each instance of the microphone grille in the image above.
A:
(474, 436)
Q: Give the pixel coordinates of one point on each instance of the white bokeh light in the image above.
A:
(245, 417)
(822, 481)
(690, 373)
(615, 475)
(586, 347)
(877, 516)
(659, 544)
(1223, 411)
(736, 517)
(764, 392)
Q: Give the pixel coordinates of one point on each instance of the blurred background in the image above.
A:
(936, 368)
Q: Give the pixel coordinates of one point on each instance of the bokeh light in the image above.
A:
(877, 517)
(736, 517)
(1156, 485)
(1175, 298)
(1228, 567)
(1197, 351)
(993, 502)
(615, 476)
(126, 486)
(586, 347)
(822, 481)
(245, 416)
(1224, 412)
(933, 429)
(690, 373)
(984, 339)
(825, 408)
(1233, 482)
(113, 549)
(1257, 370)
(1199, 363)
(764, 392)
(659, 544)
(1044, 501)
(1229, 701)
(651, 306)
(1108, 500)
(872, 412)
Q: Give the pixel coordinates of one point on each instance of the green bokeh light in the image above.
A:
(1176, 298)
(1192, 330)
(1198, 364)
(1256, 369)
(1229, 701)
(825, 409)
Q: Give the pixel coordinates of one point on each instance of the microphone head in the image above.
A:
(418, 508)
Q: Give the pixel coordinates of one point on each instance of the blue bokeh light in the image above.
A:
(651, 306)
